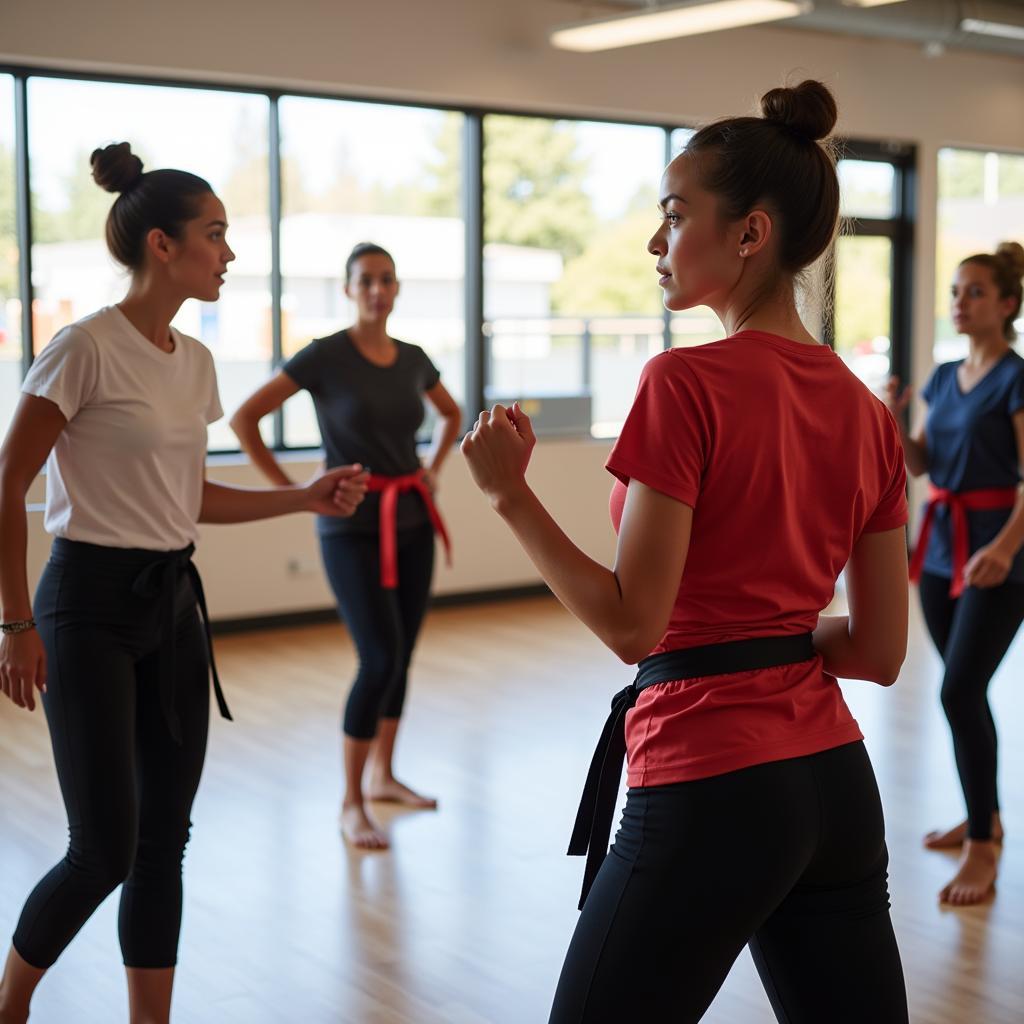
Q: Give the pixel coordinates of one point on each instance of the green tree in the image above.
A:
(84, 212)
(533, 182)
(614, 274)
(1011, 175)
(961, 173)
(533, 185)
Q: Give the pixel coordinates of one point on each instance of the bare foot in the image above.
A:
(954, 837)
(391, 791)
(359, 829)
(976, 877)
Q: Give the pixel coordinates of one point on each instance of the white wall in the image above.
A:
(494, 53)
(246, 568)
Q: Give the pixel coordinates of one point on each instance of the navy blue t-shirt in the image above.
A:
(367, 414)
(972, 446)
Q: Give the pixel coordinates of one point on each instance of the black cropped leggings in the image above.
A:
(972, 634)
(384, 623)
(787, 857)
(127, 785)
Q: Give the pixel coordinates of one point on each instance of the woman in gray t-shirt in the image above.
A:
(368, 389)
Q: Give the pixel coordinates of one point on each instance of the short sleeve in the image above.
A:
(214, 410)
(429, 373)
(891, 511)
(66, 371)
(1016, 396)
(305, 367)
(667, 435)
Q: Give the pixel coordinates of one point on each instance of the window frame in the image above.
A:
(899, 228)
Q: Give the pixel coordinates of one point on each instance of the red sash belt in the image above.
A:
(390, 487)
(959, 505)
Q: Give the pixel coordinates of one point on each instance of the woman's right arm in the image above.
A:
(871, 641)
(34, 430)
(915, 447)
(246, 425)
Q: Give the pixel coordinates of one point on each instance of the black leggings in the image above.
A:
(788, 857)
(127, 785)
(384, 623)
(972, 634)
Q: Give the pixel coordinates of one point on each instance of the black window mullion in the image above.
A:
(902, 269)
(274, 151)
(23, 219)
(473, 218)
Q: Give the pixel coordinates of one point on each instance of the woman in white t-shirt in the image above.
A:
(117, 405)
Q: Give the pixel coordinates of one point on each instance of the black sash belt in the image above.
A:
(593, 827)
(160, 579)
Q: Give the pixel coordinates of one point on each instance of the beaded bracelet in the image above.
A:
(21, 626)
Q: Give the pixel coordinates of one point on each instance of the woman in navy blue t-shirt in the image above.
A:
(969, 561)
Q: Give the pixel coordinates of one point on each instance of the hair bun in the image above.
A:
(1012, 254)
(115, 168)
(808, 110)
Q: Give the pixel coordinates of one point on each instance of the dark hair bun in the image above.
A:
(1012, 254)
(115, 168)
(808, 110)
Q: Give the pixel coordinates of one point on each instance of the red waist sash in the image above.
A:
(959, 504)
(390, 487)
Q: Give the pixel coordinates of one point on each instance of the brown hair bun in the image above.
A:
(1012, 254)
(809, 109)
(115, 168)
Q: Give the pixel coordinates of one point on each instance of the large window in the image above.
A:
(520, 241)
(221, 136)
(867, 319)
(692, 326)
(369, 172)
(10, 306)
(981, 203)
(571, 299)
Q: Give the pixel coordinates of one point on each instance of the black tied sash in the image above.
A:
(593, 827)
(159, 579)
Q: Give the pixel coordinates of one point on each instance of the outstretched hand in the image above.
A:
(895, 398)
(338, 491)
(498, 450)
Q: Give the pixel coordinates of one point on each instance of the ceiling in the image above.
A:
(930, 23)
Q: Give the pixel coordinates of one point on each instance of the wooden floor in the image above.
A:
(466, 920)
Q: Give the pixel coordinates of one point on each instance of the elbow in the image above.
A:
(632, 645)
(888, 670)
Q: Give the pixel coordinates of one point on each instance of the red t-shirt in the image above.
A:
(786, 459)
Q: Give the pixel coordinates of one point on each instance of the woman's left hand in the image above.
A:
(988, 567)
(498, 450)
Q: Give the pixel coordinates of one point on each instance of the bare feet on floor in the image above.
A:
(391, 791)
(954, 837)
(975, 879)
(360, 830)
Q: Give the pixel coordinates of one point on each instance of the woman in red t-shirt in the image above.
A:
(752, 814)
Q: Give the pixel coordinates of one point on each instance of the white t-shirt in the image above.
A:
(127, 471)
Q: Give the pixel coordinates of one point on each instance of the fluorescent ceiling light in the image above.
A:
(992, 28)
(869, 3)
(669, 22)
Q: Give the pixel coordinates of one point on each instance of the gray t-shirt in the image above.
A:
(367, 414)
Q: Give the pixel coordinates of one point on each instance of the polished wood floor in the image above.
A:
(465, 921)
